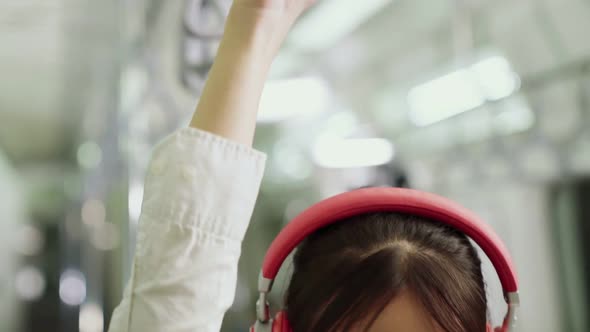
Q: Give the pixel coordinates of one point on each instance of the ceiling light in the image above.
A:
(332, 20)
(443, 98)
(30, 240)
(516, 117)
(350, 153)
(282, 99)
(72, 287)
(30, 283)
(91, 318)
(496, 78)
(89, 155)
(93, 212)
(490, 79)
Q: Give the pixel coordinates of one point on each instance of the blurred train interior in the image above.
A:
(486, 102)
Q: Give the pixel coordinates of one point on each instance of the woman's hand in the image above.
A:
(267, 20)
(284, 6)
(254, 32)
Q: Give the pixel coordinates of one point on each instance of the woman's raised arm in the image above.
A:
(254, 32)
(202, 184)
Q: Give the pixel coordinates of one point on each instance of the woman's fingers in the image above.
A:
(287, 7)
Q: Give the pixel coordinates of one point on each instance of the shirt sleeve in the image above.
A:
(199, 196)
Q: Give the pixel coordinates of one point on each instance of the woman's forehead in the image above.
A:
(405, 313)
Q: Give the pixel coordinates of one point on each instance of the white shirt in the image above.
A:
(199, 196)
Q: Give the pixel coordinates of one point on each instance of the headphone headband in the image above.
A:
(408, 201)
(381, 199)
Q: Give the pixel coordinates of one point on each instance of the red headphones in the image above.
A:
(381, 199)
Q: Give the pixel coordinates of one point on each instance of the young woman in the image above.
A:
(391, 272)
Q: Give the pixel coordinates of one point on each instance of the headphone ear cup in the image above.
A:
(489, 328)
(280, 323)
(286, 324)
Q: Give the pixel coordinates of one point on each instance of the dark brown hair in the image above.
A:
(348, 272)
